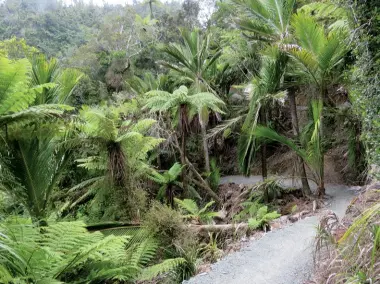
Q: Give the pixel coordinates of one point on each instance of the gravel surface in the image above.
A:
(283, 256)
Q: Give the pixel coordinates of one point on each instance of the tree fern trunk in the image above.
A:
(295, 126)
(183, 130)
(205, 147)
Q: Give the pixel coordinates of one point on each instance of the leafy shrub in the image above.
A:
(188, 268)
(190, 207)
(67, 252)
(262, 219)
(164, 223)
(250, 209)
(210, 251)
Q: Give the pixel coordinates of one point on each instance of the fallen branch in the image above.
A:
(219, 228)
(203, 184)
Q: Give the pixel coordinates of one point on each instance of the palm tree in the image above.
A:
(18, 94)
(46, 71)
(317, 57)
(167, 180)
(265, 91)
(183, 106)
(33, 170)
(269, 22)
(311, 152)
(31, 164)
(150, 2)
(194, 63)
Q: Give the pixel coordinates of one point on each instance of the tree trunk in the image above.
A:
(263, 148)
(151, 10)
(170, 195)
(321, 186)
(264, 168)
(295, 126)
(183, 130)
(205, 147)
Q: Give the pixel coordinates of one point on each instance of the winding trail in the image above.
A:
(284, 256)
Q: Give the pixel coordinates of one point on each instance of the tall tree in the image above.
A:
(183, 106)
(265, 91)
(31, 162)
(269, 22)
(318, 56)
(194, 60)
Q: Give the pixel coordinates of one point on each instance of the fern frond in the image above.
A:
(188, 205)
(155, 270)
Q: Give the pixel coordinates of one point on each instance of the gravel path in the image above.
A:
(280, 257)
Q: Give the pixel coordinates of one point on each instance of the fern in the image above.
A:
(66, 250)
(262, 218)
(193, 212)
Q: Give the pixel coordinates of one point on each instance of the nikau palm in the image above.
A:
(32, 163)
(265, 91)
(269, 22)
(194, 62)
(316, 58)
(311, 152)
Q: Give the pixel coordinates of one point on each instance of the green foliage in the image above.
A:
(265, 92)
(313, 152)
(193, 59)
(32, 161)
(249, 210)
(188, 268)
(161, 101)
(17, 94)
(17, 49)
(167, 180)
(210, 250)
(165, 223)
(66, 251)
(214, 177)
(190, 207)
(262, 218)
(358, 249)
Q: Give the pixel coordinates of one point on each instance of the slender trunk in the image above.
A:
(295, 126)
(205, 147)
(151, 9)
(183, 149)
(264, 167)
(183, 126)
(170, 195)
(321, 187)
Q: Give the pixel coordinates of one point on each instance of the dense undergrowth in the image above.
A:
(117, 123)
